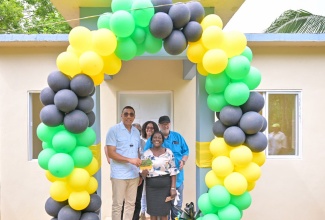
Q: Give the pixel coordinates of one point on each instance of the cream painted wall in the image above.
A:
(151, 75)
(287, 189)
(24, 187)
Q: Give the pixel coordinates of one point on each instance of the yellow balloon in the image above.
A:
(211, 20)
(68, 63)
(104, 42)
(93, 167)
(211, 179)
(59, 191)
(78, 179)
(241, 155)
(234, 43)
(251, 186)
(251, 172)
(91, 63)
(215, 61)
(201, 70)
(98, 79)
(52, 178)
(218, 147)
(222, 166)
(71, 49)
(79, 200)
(235, 183)
(92, 185)
(112, 64)
(212, 37)
(259, 158)
(195, 52)
(80, 38)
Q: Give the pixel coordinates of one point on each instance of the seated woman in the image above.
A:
(160, 179)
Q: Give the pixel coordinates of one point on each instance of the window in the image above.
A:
(283, 112)
(34, 108)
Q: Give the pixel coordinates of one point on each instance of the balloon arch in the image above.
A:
(133, 28)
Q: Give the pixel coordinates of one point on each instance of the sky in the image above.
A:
(254, 16)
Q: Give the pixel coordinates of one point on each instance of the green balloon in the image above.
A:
(140, 49)
(216, 83)
(237, 67)
(253, 78)
(86, 138)
(60, 165)
(152, 44)
(118, 5)
(46, 145)
(248, 54)
(242, 201)
(142, 12)
(44, 156)
(216, 102)
(236, 93)
(82, 156)
(64, 142)
(230, 212)
(46, 133)
(126, 48)
(138, 35)
(205, 204)
(122, 24)
(104, 21)
(219, 196)
(210, 217)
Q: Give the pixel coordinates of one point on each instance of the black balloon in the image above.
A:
(85, 104)
(175, 43)
(264, 125)
(89, 216)
(234, 136)
(193, 31)
(82, 85)
(94, 204)
(230, 115)
(53, 207)
(51, 116)
(219, 128)
(162, 5)
(196, 10)
(91, 117)
(47, 96)
(161, 25)
(180, 15)
(76, 121)
(57, 81)
(254, 103)
(256, 142)
(251, 122)
(67, 213)
(66, 100)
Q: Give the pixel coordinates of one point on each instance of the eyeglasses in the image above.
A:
(149, 128)
(126, 114)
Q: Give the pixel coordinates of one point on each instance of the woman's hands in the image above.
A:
(144, 173)
(173, 193)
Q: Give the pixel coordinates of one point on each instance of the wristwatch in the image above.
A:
(183, 162)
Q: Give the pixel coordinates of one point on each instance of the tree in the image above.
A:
(300, 21)
(31, 17)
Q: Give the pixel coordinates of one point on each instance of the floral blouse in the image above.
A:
(162, 165)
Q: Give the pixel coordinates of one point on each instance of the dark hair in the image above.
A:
(144, 127)
(158, 132)
(128, 107)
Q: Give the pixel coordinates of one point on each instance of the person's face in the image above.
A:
(164, 128)
(149, 130)
(128, 116)
(157, 140)
(276, 129)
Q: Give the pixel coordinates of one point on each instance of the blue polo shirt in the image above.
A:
(127, 144)
(176, 143)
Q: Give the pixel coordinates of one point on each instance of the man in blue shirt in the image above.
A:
(122, 151)
(176, 143)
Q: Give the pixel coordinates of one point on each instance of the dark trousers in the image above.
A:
(137, 207)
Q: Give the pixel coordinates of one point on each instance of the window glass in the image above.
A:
(34, 108)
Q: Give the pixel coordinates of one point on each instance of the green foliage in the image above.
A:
(31, 17)
(298, 22)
